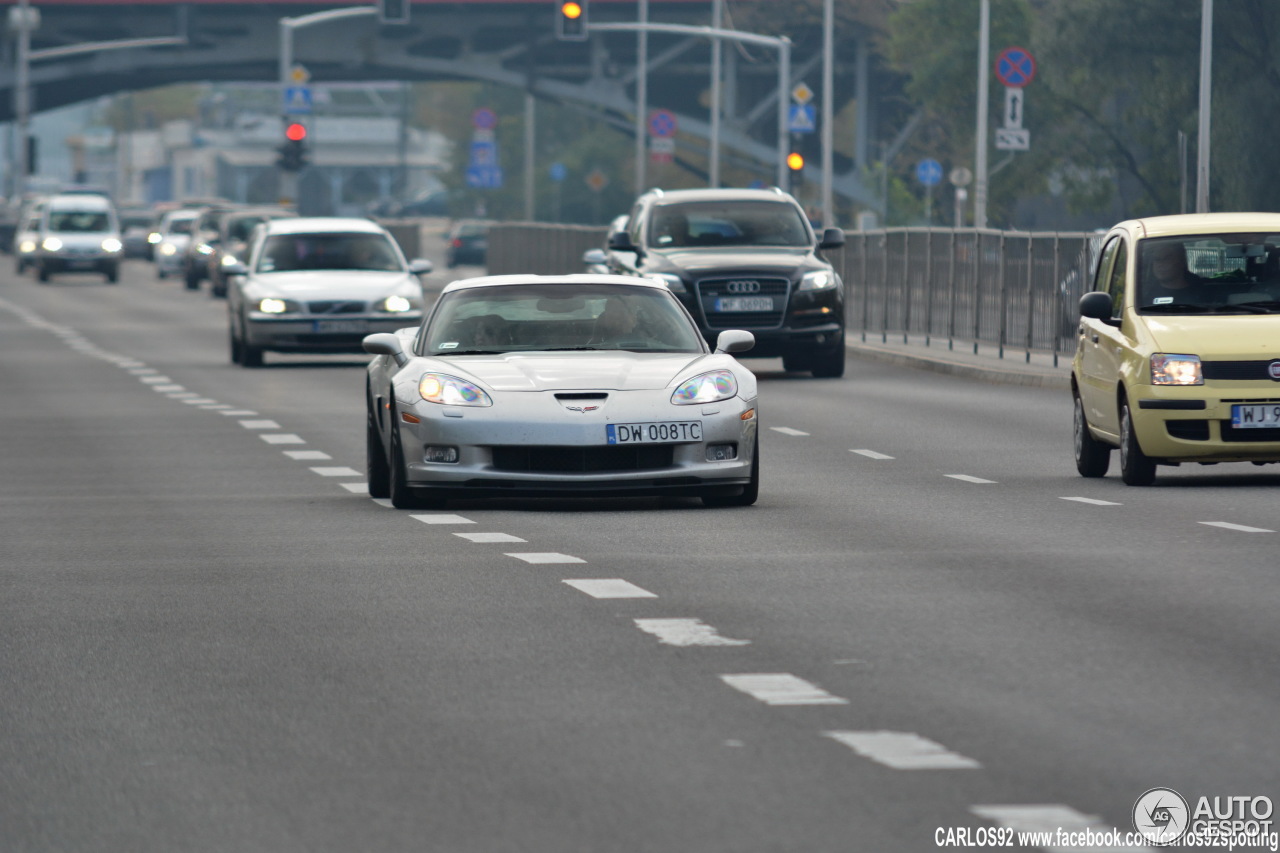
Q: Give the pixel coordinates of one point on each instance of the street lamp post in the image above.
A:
(25, 19)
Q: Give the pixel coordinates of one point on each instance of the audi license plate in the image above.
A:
(1255, 417)
(744, 303)
(322, 326)
(665, 432)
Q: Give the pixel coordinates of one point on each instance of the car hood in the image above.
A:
(1233, 337)
(328, 284)
(621, 371)
(729, 258)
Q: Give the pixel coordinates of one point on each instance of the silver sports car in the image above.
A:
(560, 385)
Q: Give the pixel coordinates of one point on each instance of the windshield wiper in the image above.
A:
(1260, 307)
(1176, 307)
(472, 352)
(572, 349)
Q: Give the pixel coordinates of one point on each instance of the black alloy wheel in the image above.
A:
(378, 470)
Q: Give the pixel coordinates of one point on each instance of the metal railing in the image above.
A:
(1013, 290)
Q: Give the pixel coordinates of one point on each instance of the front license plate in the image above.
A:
(1255, 417)
(665, 432)
(744, 303)
(79, 264)
(321, 326)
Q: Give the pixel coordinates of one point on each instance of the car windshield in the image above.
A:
(242, 226)
(78, 221)
(727, 223)
(180, 226)
(1209, 273)
(290, 252)
(541, 317)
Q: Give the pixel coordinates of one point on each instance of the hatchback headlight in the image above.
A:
(229, 260)
(272, 305)
(51, 244)
(819, 280)
(154, 237)
(168, 249)
(451, 391)
(706, 388)
(1168, 369)
(26, 247)
(111, 244)
(399, 304)
(673, 282)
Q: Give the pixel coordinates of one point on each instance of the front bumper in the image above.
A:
(1193, 423)
(548, 449)
(321, 334)
(789, 341)
(78, 262)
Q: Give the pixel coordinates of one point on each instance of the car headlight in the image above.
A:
(51, 244)
(673, 282)
(26, 247)
(229, 260)
(168, 249)
(204, 249)
(111, 244)
(399, 305)
(706, 388)
(451, 391)
(272, 305)
(154, 237)
(1168, 369)
(819, 280)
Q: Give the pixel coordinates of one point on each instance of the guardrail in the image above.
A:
(1014, 290)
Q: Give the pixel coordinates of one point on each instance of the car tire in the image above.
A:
(794, 364)
(42, 274)
(250, 356)
(162, 274)
(375, 457)
(1136, 468)
(750, 492)
(1093, 458)
(192, 281)
(218, 291)
(236, 348)
(828, 365)
(112, 274)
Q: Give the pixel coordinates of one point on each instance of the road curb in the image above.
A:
(941, 364)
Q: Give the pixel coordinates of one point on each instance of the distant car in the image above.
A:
(319, 285)
(467, 243)
(560, 385)
(233, 230)
(175, 233)
(26, 241)
(79, 232)
(204, 236)
(136, 227)
(1178, 359)
(596, 261)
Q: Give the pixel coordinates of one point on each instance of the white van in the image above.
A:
(79, 233)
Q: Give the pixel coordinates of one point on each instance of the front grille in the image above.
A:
(1236, 370)
(552, 459)
(711, 289)
(337, 306)
(1230, 433)
(1197, 430)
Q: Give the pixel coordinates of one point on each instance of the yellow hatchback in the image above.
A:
(1179, 351)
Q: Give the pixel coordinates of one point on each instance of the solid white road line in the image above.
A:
(1226, 525)
(260, 425)
(336, 472)
(1047, 818)
(968, 479)
(870, 454)
(903, 751)
(306, 454)
(441, 518)
(356, 488)
(547, 557)
(779, 688)
(685, 632)
(490, 537)
(788, 431)
(281, 438)
(608, 588)
(1092, 501)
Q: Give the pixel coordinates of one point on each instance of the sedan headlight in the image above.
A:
(673, 282)
(819, 280)
(451, 391)
(111, 244)
(26, 247)
(154, 237)
(51, 244)
(399, 304)
(229, 260)
(706, 388)
(272, 305)
(168, 249)
(1168, 369)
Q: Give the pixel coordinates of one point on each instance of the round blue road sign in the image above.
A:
(662, 123)
(929, 172)
(484, 118)
(558, 172)
(1015, 66)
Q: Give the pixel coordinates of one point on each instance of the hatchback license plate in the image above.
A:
(321, 326)
(664, 432)
(1255, 417)
(744, 303)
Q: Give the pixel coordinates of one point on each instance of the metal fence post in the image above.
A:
(1004, 297)
(1031, 299)
(884, 294)
(1058, 296)
(977, 289)
(906, 285)
(951, 310)
(928, 286)
(866, 285)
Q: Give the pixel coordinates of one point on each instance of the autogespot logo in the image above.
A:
(1161, 816)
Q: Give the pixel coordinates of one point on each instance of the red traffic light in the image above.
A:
(295, 132)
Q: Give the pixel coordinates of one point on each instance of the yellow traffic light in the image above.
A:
(795, 161)
(571, 10)
(571, 20)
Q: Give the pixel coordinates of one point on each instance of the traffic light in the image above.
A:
(571, 20)
(293, 151)
(393, 11)
(795, 161)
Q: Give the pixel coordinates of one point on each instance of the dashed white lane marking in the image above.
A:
(871, 454)
(965, 478)
(903, 751)
(1226, 525)
(156, 380)
(686, 632)
(199, 401)
(281, 438)
(788, 431)
(336, 472)
(260, 425)
(1093, 501)
(547, 557)
(216, 406)
(356, 488)
(1046, 818)
(441, 518)
(490, 537)
(231, 413)
(780, 688)
(384, 502)
(182, 395)
(307, 454)
(608, 588)
(142, 371)
(167, 389)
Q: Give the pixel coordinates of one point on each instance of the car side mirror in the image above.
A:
(385, 343)
(595, 257)
(735, 340)
(420, 266)
(1097, 306)
(832, 238)
(620, 241)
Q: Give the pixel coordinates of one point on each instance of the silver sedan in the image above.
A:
(560, 385)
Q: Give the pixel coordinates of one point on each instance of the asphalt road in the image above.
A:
(212, 641)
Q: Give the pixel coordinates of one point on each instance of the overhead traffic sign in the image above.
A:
(1015, 66)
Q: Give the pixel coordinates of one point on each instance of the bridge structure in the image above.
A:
(506, 42)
